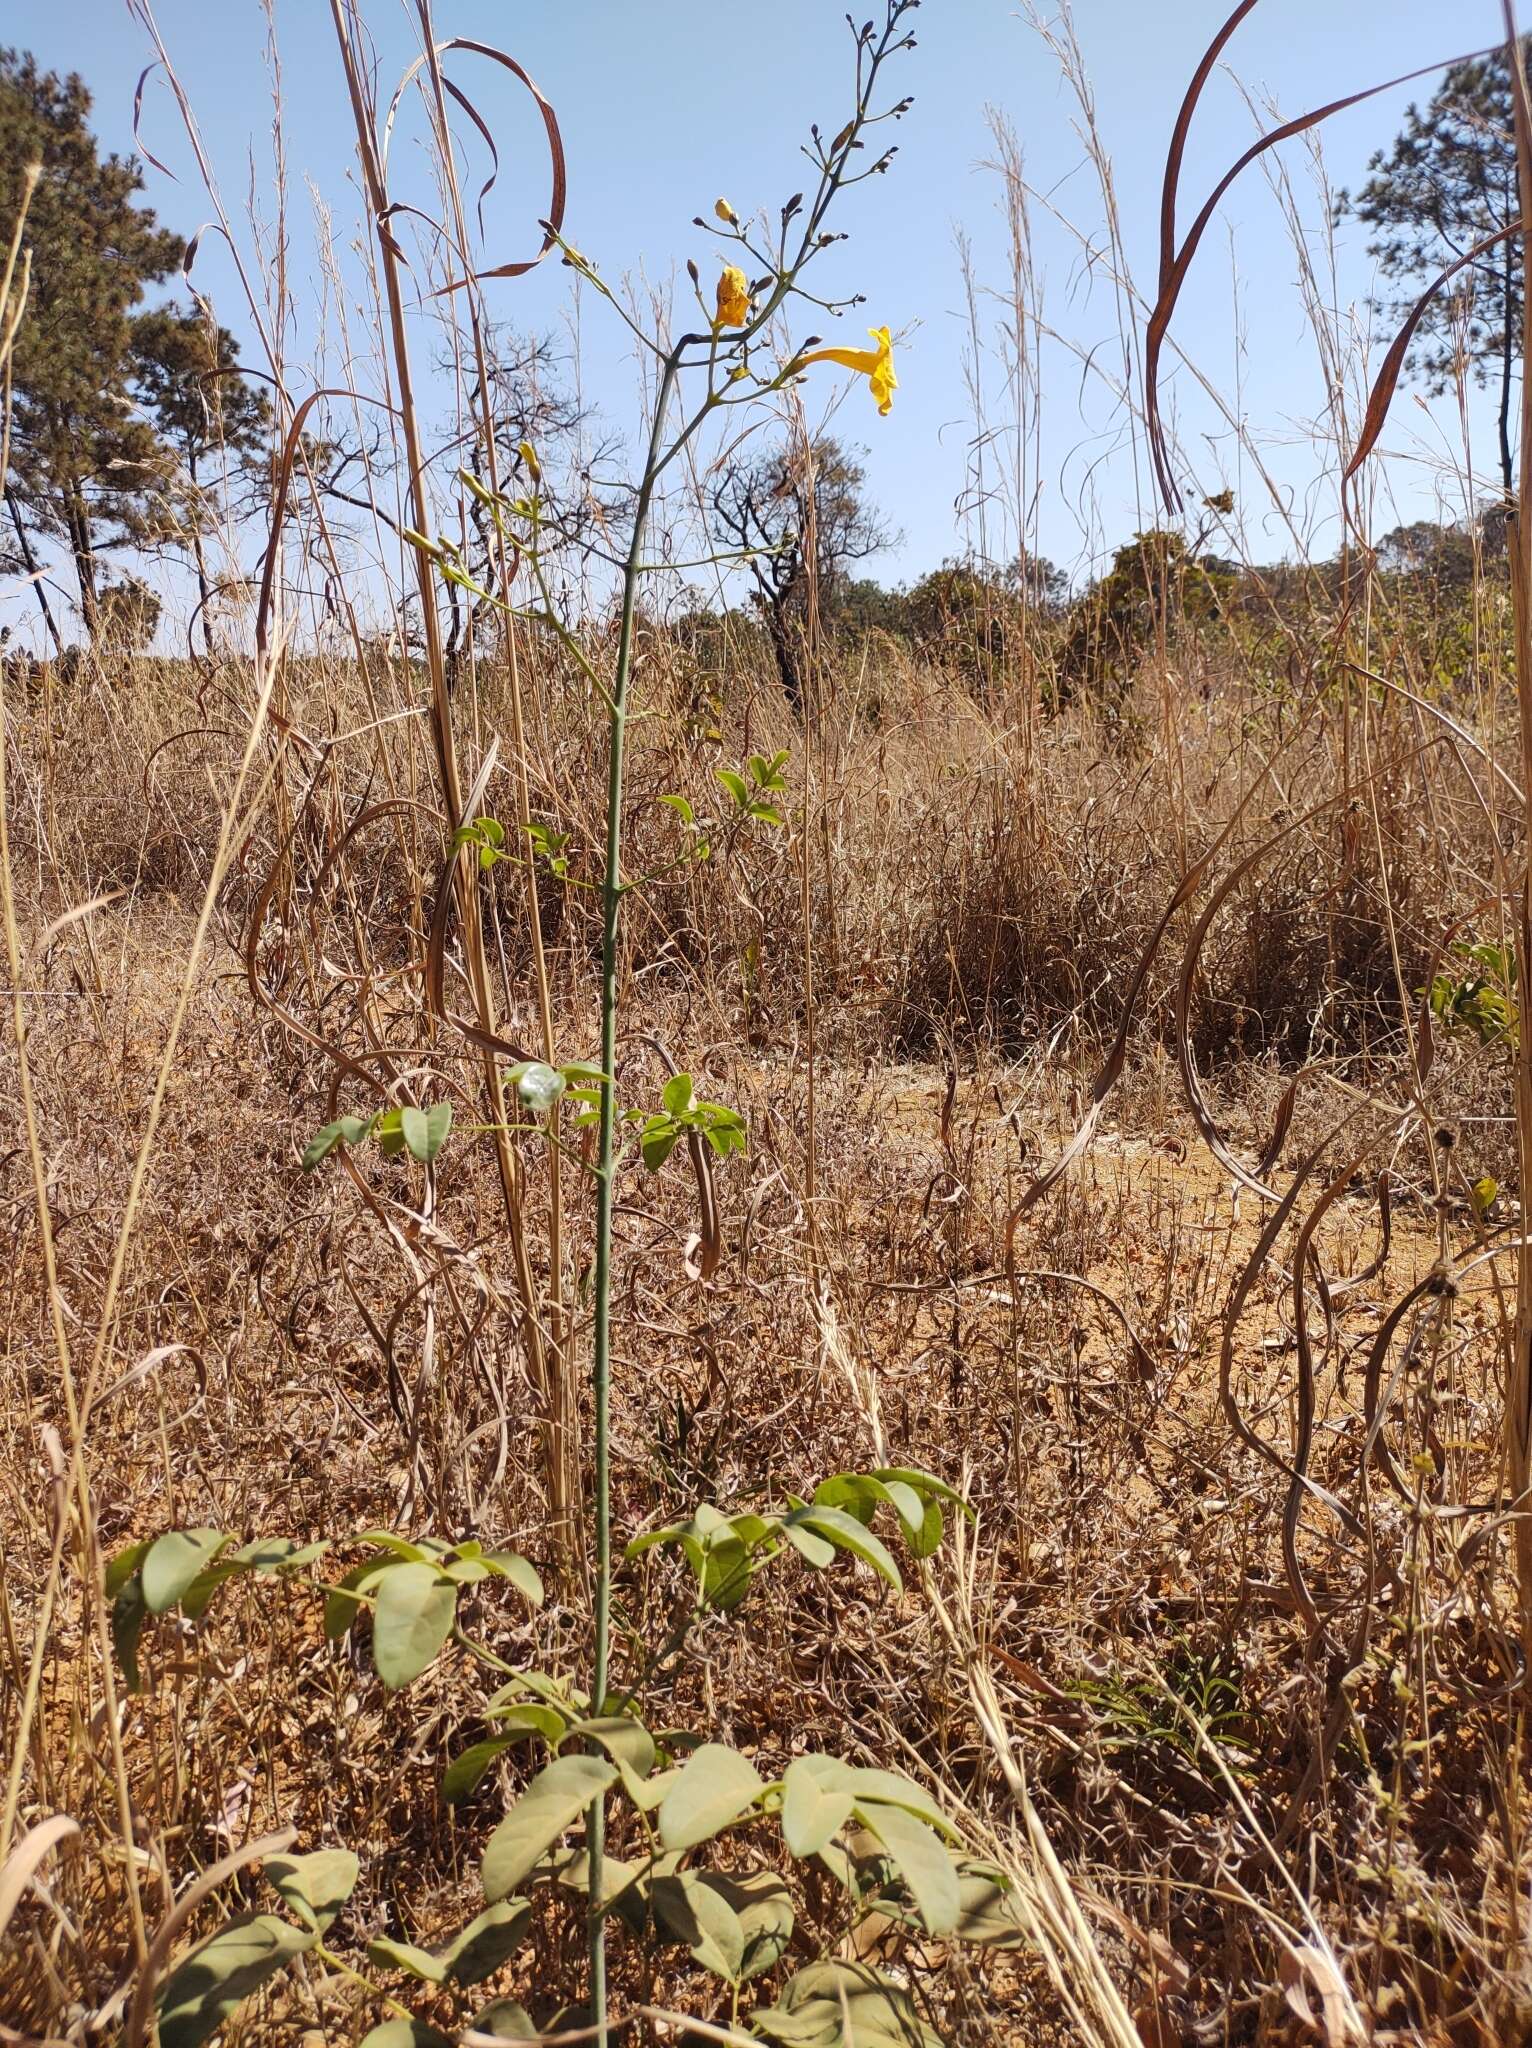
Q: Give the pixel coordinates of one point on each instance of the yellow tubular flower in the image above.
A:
(725, 212)
(733, 298)
(875, 364)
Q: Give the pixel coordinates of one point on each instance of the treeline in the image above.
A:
(137, 436)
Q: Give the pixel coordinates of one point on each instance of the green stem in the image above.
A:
(612, 893)
(344, 1969)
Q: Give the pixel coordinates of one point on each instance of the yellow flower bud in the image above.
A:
(725, 212)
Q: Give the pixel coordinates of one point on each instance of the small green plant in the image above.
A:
(1482, 1001)
(679, 1113)
(409, 1586)
(753, 789)
(1196, 1691)
(420, 1132)
(670, 1800)
(487, 836)
(886, 1842)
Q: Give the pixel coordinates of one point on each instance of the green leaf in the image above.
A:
(277, 1554)
(816, 1803)
(694, 1913)
(505, 2020)
(404, 1955)
(315, 1886)
(987, 1914)
(466, 1571)
(399, 1546)
(923, 1862)
(844, 2005)
(413, 1617)
(425, 1130)
(682, 809)
(907, 1505)
(764, 1908)
(847, 1533)
(572, 1869)
(648, 1793)
(811, 1548)
(656, 1142)
(531, 1717)
(388, 1129)
(487, 1941)
(854, 1491)
(198, 1597)
(678, 1094)
(174, 1561)
(217, 1978)
(568, 1700)
(861, 1492)
(553, 1801)
(466, 1771)
(932, 1529)
(340, 1610)
(405, 2034)
(735, 784)
(624, 1738)
(925, 1483)
(715, 1787)
(346, 1130)
(726, 1137)
(506, 1564)
(726, 1571)
(124, 1565)
(888, 1788)
(128, 1615)
(682, 1533)
(581, 1071)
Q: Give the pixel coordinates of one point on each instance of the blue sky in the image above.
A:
(665, 104)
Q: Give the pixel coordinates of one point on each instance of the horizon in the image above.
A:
(933, 474)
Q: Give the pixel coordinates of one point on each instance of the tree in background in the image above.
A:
(973, 616)
(184, 372)
(1156, 585)
(85, 469)
(529, 405)
(767, 507)
(129, 615)
(1447, 184)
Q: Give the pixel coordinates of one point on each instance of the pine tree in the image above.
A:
(185, 374)
(1447, 184)
(85, 468)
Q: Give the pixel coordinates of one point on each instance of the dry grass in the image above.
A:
(1124, 1600)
